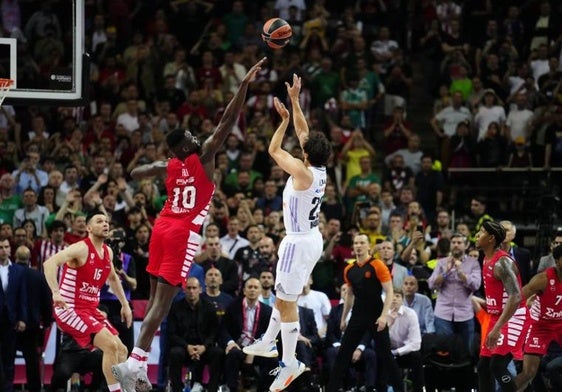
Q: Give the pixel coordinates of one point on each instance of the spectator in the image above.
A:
(398, 176)
(319, 302)
(192, 332)
(213, 257)
(10, 201)
(420, 303)
(46, 247)
(397, 271)
(521, 255)
(358, 187)
(489, 111)
(28, 175)
(213, 294)
(518, 120)
(411, 155)
(429, 184)
(396, 131)
(456, 277)
(233, 241)
(31, 210)
(355, 148)
(548, 260)
(478, 206)
(405, 339)
(267, 297)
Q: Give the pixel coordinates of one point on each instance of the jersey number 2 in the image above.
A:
(314, 215)
(184, 197)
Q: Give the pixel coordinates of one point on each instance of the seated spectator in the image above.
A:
(309, 341)
(405, 339)
(245, 320)
(420, 303)
(46, 247)
(233, 241)
(192, 332)
(213, 257)
(267, 297)
(491, 149)
(29, 175)
(358, 186)
(354, 149)
(270, 201)
(320, 304)
(548, 260)
(32, 211)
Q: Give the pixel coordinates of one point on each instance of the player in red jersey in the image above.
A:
(546, 317)
(506, 306)
(175, 238)
(86, 266)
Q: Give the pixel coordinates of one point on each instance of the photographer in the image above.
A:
(125, 267)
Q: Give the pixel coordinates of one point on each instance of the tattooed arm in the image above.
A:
(505, 271)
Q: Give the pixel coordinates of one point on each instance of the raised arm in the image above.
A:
(299, 121)
(292, 165)
(213, 144)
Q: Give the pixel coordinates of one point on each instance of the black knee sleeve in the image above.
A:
(498, 366)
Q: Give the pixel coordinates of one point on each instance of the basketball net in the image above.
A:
(5, 86)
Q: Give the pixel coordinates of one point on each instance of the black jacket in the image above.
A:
(207, 324)
(232, 321)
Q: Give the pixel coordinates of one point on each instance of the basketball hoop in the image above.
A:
(5, 86)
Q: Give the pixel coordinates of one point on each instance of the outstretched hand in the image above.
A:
(295, 89)
(251, 75)
(281, 109)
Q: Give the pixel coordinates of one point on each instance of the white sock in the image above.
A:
(289, 336)
(273, 328)
(138, 359)
(114, 387)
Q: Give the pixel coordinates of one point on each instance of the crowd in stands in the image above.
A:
(492, 68)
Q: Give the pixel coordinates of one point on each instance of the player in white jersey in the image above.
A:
(302, 246)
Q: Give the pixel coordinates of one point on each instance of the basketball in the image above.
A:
(276, 33)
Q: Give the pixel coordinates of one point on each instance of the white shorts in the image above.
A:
(298, 254)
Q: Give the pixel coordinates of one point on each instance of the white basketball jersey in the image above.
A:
(301, 209)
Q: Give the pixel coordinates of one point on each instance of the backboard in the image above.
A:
(42, 51)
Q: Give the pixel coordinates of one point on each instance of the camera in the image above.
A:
(114, 243)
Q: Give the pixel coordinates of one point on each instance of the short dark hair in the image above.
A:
(93, 213)
(57, 224)
(318, 148)
(175, 138)
(495, 229)
(480, 199)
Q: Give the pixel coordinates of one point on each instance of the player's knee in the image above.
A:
(500, 373)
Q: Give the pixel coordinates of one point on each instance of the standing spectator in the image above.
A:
(366, 279)
(548, 260)
(247, 257)
(420, 303)
(478, 206)
(521, 255)
(411, 155)
(429, 184)
(489, 111)
(192, 332)
(358, 187)
(33, 211)
(353, 150)
(397, 176)
(30, 340)
(319, 302)
(13, 311)
(397, 271)
(518, 120)
(456, 277)
(405, 339)
(245, 320)
(46, 247)
(29, 175)
(9, 200)
(396, 131)
(354, 103)
(325, 84)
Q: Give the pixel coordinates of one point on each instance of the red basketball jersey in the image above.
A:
(548, 304)
(496, 296)
(189, 190)
(80, 287)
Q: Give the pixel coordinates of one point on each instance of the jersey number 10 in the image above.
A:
(183, 197)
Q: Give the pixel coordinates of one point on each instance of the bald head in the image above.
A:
(23, 254)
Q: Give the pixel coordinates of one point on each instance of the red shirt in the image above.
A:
(80, 287)
(496, 296)
(189, 191)
(548, 304)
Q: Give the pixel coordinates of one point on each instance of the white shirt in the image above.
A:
(130, 123)
(539, 68)
(412, 159)
(231, 245)
(485, 116)
(518, 122)
(320, 305)
(404, 331)
(450, 117)
(4, 275)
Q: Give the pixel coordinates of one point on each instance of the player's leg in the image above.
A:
(498, 367)
(113, 352)
(531, 364)
(486, 382)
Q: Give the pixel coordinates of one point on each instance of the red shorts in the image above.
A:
(512, 335)
(82, 324)
(540, 334)
(171, 250)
